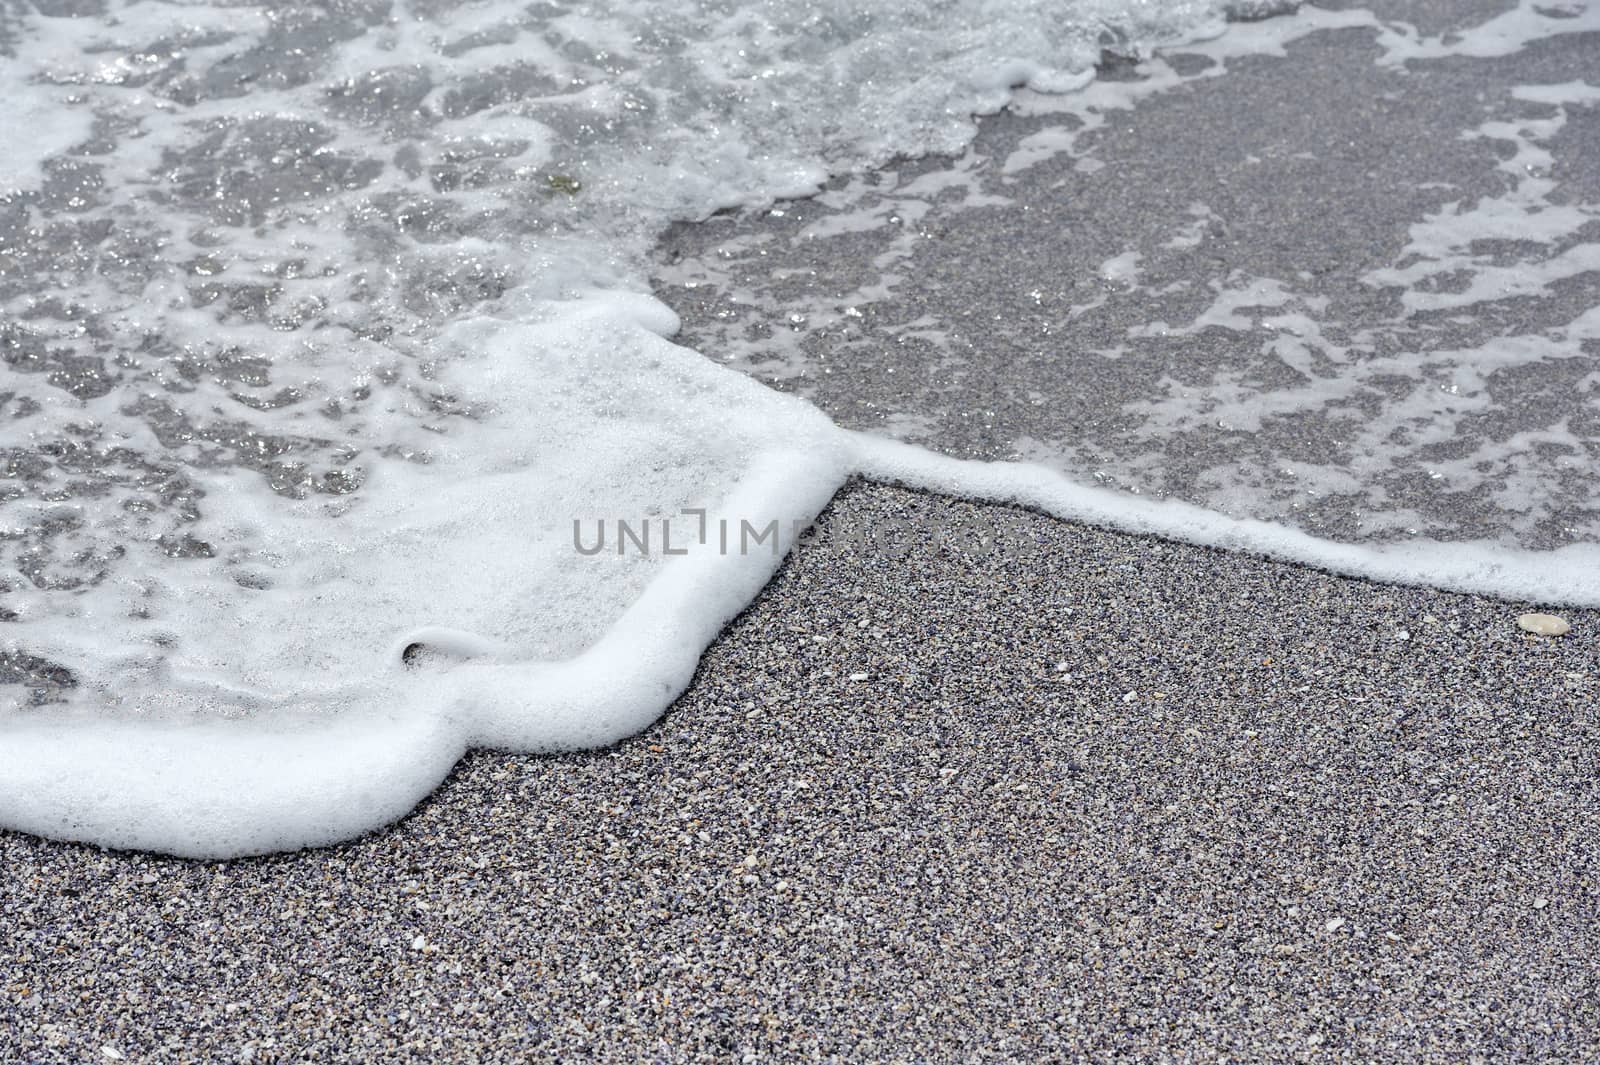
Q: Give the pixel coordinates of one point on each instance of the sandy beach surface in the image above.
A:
(1038, 792)
(1095, 796)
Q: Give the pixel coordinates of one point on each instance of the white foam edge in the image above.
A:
(270, 786)
(213, 789)
(1568, 575)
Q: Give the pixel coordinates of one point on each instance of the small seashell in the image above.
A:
(1544, 624)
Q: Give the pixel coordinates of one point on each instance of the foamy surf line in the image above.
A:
(1567, 575)
(210, 789)
(283, 666)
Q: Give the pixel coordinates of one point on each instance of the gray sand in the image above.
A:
(1333, 820)
(1098, 797)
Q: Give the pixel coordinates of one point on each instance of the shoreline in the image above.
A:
(1377, 843)
(1100, 795)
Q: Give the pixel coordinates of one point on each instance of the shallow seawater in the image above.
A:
(1377, 325)
(328, 341)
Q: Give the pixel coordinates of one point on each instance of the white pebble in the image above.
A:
(858, 676)
(1544, 624)
(1334, 925)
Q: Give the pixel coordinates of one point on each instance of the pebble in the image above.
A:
(1544, 624)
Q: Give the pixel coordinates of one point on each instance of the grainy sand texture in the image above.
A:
(1097, 797)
